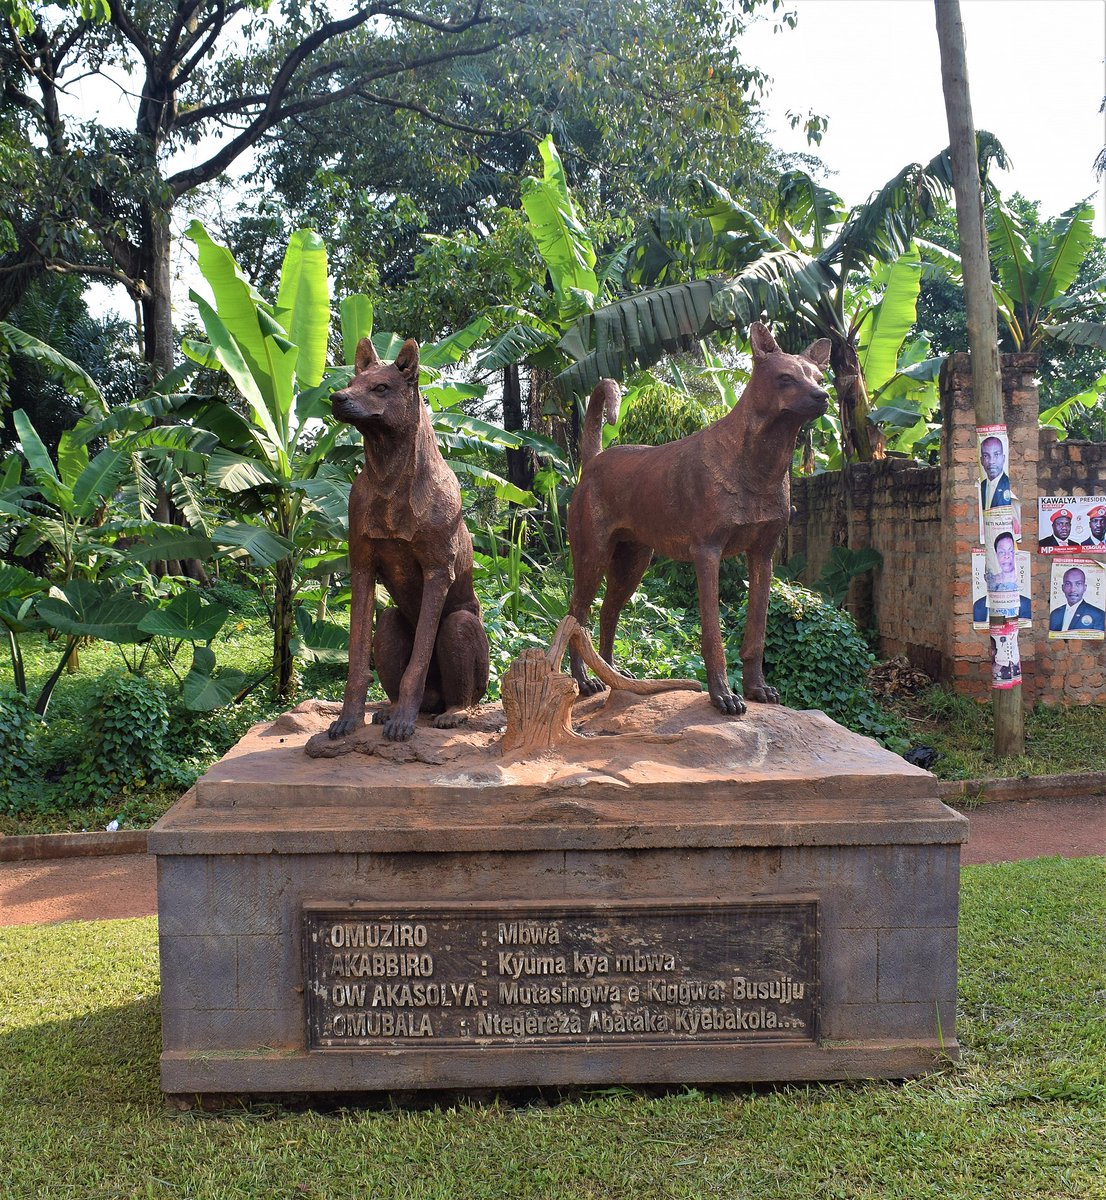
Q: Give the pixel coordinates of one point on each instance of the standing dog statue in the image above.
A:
(722, 491)
(406, 531)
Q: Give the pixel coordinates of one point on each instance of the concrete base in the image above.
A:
(833, 889)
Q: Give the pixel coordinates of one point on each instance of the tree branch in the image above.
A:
(273, 112)
(122, 21)
(136, 287)
(439, 119)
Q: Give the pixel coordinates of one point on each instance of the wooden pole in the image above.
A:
(978, 298)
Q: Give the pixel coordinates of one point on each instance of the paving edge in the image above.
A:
(1089, 785)
(32, 846)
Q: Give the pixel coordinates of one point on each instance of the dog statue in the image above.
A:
(405, 531)
(722, 491)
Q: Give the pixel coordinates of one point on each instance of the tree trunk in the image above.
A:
(852, 397)
(284, 666)
(520, 463)
(159, 352)
(979, 300)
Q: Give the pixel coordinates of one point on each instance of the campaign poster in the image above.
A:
(1062, 522)
(1090, 525)
(980, 616)
(1006, 663)
(994, 477)
(1077, 599)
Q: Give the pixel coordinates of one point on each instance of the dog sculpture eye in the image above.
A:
(380, 388)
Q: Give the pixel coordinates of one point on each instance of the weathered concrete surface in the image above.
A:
(667, 803)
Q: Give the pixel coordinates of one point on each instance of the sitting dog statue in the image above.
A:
(405, 531)
(722, 491)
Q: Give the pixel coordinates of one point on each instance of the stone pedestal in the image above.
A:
(688, 897)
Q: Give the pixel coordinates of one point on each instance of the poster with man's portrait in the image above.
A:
(1065, 525)
(1077, 599)
(1023, 577)
(994, 478)
(1006, 663)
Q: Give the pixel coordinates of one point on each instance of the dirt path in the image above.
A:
(125, 885)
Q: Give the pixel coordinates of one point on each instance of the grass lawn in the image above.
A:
(1022, 1115)
(1057, 740)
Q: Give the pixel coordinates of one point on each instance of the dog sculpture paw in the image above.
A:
(450, 720)
(729, 703)
(398, 726)
(343, 726)
(763, 695)
(590, 687)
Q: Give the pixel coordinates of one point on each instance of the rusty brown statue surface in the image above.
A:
(722, 491)
(406, 532)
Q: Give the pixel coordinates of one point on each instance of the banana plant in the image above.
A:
(1036, 273)
(280, 466)
(796, 268)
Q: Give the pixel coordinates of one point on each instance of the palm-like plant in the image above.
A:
(1035, 295)
(275, 459)
(799, 267)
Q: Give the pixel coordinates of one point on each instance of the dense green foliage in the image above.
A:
(1020, 1115)
(815, 657)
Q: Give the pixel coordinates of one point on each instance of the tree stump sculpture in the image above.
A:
(537, 698)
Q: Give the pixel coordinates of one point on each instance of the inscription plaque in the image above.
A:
(537, 974)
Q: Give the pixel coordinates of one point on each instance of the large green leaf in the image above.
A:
(303, 303)
(17, 583)
(319, 641)
(636, 332)
(230, 356)
(562, 241)
(75, 378)
(186, 618)
(38, 459)
(231, 472)
(84, 609)
(1062, 253)
(204, 693)
(892, 319)
(503, 489)
(1080, 333)
(167, 542)
(238, 306)
(72, 457)
(262, 545)
(453, 348)
(357, 323)
(99, 480)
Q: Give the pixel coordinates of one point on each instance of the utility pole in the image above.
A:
(979, 300)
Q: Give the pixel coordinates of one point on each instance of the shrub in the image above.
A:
(125, 746)
(815, 657)
(18, 723)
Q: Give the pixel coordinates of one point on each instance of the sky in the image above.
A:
(1035, 71)
(872, 67)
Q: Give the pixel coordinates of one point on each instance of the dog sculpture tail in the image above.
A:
(602, 409)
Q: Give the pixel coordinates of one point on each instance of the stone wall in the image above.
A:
(924, 522)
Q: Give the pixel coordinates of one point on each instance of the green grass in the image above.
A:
(1022, 1116)
(1057, 740)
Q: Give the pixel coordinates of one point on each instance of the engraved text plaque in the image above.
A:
(556, 974)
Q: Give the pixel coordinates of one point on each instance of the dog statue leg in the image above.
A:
(706, 562)
(756, 618)
(462, 654)
(362, 604)
(399, 723)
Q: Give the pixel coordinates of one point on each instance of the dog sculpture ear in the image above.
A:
(365, 357)
(407, 361)
(761, 341)
(819, 353)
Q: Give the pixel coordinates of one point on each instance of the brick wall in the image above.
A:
(924, 522)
